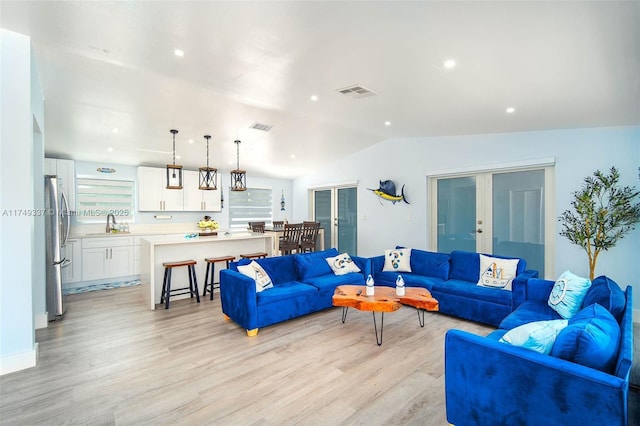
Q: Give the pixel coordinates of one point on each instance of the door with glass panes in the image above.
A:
(336, 209)
(506, 213)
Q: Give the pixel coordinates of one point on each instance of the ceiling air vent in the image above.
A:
(260, 126)
(357, 92)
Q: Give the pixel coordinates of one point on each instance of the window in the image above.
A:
(252, 205)
(96, 198)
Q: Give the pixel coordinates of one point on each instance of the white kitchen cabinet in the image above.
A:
(107, 257)
(66, 171)
(73, 272)
(153, 194)
(197, 200)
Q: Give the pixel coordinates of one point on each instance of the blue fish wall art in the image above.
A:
(387, 191)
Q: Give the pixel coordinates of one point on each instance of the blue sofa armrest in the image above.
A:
(364, 264)
(519, 287)
(488, 382)
(238, 298)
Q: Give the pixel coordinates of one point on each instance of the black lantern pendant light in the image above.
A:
(174, 172)
(208, 175)
(238, 177)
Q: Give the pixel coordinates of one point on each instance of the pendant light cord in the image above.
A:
(237, 155)
(174, 149)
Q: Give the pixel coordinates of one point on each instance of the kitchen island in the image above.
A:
(156, 250)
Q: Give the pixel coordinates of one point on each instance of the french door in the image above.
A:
(507, 213)
(336, 208)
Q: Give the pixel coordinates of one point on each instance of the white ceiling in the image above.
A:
(112, 64)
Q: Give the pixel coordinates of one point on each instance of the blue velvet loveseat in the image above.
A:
(302, 283)
(579, 377)
(452, 279)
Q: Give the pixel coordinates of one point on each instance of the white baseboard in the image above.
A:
(20, 361)
(42, 321)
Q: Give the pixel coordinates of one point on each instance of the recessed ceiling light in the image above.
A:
(387, 123)
(178, 52)
(190, 140)
(449, 64)
(510, 110)
(314, 98)
(110, 149)
(293, 156)
(115, 130)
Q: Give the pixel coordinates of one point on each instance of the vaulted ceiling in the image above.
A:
(111, 65)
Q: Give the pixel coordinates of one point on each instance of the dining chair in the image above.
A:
(278, 224)
(257, 227)
(309, 236)
(290, 239)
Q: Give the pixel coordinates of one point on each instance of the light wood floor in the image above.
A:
(112, 361)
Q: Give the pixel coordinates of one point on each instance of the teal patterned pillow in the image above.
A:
(538, 336)
(567, 294)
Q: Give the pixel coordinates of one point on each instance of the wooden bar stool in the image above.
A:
(166, 283)
(211, 267)
(258, 255)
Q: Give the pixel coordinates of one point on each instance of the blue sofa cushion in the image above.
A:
(430, 264)
(314, 264)
(465, 265)
(327, 282)
(568, 293)
(592, 339)
(469, 290)
(529, 311)
(537, 336)
(287, 290)
(605, 292)
(281, 269)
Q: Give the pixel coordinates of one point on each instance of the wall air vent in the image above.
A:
(260, 126)
(357, 92)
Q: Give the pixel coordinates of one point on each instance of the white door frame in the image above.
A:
(484, 205)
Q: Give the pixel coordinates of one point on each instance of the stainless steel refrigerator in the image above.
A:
(56, 234)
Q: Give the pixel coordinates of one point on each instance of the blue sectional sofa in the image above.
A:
(583, 380)
(302, 283)
(452, 279)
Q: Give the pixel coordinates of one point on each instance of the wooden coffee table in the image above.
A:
(384, 300)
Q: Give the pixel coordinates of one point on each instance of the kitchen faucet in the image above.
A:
(113, 226)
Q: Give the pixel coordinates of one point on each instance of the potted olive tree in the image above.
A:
(602, 213)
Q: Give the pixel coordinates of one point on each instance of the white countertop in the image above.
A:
(160, 240)
(127, 234)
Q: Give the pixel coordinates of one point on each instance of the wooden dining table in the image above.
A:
(276, 233)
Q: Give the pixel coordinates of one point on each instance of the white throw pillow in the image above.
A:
(397, 260)
(255, 271)
(538, 336)
(496, 272)
(342, 264)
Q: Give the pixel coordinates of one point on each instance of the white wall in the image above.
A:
(578, 153)
(17, 335)
(39, 254)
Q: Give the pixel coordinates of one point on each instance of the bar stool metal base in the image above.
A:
(210, 273)
(167, 292)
